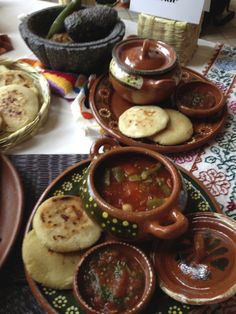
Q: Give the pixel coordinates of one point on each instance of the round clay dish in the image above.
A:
(121, 250)
(11, 206)
(199, 99)
(199, 268)
(107, 105)
(50, 299)
(144, 56)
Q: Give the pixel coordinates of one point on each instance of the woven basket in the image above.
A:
(182, 36)
(9, 140)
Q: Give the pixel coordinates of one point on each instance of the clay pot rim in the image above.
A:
(130, 70)
(199, 113)
(139, 216)
(150, 279)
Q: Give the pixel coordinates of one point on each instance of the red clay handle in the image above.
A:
(107, 143)
(199, 248)
(145, 48)
(172, 230)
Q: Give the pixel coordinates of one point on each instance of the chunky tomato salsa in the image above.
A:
(198, 99)
(135, 184)
(113, 281)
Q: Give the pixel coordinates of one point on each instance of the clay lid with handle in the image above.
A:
(200, 267)
(144, 56)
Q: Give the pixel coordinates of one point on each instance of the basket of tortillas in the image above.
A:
(24, 102)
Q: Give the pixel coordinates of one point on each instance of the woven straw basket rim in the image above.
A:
(9, 140)
(182, 36)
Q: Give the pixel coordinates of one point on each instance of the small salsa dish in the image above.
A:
(114, 277)
(199, 99)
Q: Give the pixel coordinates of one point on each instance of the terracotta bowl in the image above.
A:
(163, 220)
(199, 99)
(87, 57)
(109, 262)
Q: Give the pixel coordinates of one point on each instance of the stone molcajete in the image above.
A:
(140, 212)
(84, 57)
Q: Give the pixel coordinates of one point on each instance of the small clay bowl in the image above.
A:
(199, 99)
(125, 274)
(162, 220)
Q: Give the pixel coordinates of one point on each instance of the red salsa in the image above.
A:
(113, 281)
(198, 99)
(135, 184)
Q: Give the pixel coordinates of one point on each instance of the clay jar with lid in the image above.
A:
(144, 71)
(163, 221)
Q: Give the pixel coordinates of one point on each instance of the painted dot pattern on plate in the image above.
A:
(62, 301)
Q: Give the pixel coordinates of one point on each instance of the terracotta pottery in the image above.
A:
(11, 206)
(165, 221)
(107, 106)
(199, 268)
(92, 258)
(199, 99)
(144, 71)
(68, 183)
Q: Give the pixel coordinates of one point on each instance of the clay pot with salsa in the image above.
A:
(134, 193)
(144, 71)
(114, 277)
(199, 99)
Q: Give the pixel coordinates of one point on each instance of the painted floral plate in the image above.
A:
(69, 182)
(11, 206)
(107, 106)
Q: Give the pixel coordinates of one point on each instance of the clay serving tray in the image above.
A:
(107, 106)
(11, 206)
(68, 183)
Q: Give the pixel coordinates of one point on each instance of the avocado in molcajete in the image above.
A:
(87, 57)
(91, 23)
(106, 1)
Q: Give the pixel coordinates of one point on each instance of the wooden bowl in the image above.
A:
(119, 262)
(87, 57)
(199, 99)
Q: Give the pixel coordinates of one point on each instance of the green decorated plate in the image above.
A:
(62, 301)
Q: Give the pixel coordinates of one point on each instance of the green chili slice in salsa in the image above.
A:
(135, 184)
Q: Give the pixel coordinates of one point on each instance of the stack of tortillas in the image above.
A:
(162, 126)
(52, 249)
(19, 102)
